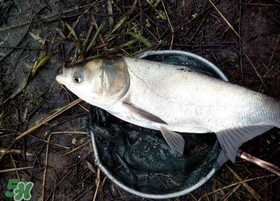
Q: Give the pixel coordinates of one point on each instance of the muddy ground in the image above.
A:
(37, 38)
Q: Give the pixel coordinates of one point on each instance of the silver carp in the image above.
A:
(173, 98)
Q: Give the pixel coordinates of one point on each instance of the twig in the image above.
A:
(241, 182)
(14, 151)
(261, 4)
(97, 182)
(52, 143)
(231, 192)
(205, 193)
(65, 89)
(70, 171)
(251, 190)
(194, 18)
(53, 195)
(240, 43)
(14, 164)
(70, 132)
(199, 26)
(101, 187)
(193, 197)
(33, 164)
(44, 121)
(16, 47)
(15, 169)
(226, 21)
(266, 186)
(268, 166)
(81, 15)
(273, 51)
(201, 41)
(84, 193)
(214, 186)
(170, 24)
(90, 166)
(256, 71)
(84, 144)
(46, 167)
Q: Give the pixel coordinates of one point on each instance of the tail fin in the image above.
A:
(232, 139)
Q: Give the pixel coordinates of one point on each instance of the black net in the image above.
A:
(141, 159)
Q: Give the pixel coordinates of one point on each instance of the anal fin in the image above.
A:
(174, 140)
(232, 139)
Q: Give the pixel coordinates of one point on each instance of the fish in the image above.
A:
(173, 98)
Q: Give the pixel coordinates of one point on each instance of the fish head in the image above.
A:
(100, 82)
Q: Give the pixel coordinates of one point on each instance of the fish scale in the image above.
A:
(221, 103)
(174, 98)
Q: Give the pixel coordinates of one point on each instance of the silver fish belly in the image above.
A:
(174, 98)
(191, 102)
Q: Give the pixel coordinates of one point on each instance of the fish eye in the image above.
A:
(77, 77)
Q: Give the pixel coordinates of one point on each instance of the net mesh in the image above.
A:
(141, 159)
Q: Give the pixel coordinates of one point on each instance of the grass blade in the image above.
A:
(116, 27)
(129, 43)
(42, 59)
(73, 33)
(140, 51)
(110, 13)
(96, 36)
(140, 39)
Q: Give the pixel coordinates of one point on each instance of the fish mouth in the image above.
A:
(60, 79)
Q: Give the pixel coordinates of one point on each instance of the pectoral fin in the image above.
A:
(143, 114)
(232, 139)
(174, 140)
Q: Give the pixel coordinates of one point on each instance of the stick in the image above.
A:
(70, 105)
(265, 165)
(46, 167)
(246, 185)
(15, 169)
(230, 26)
(77, 148)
